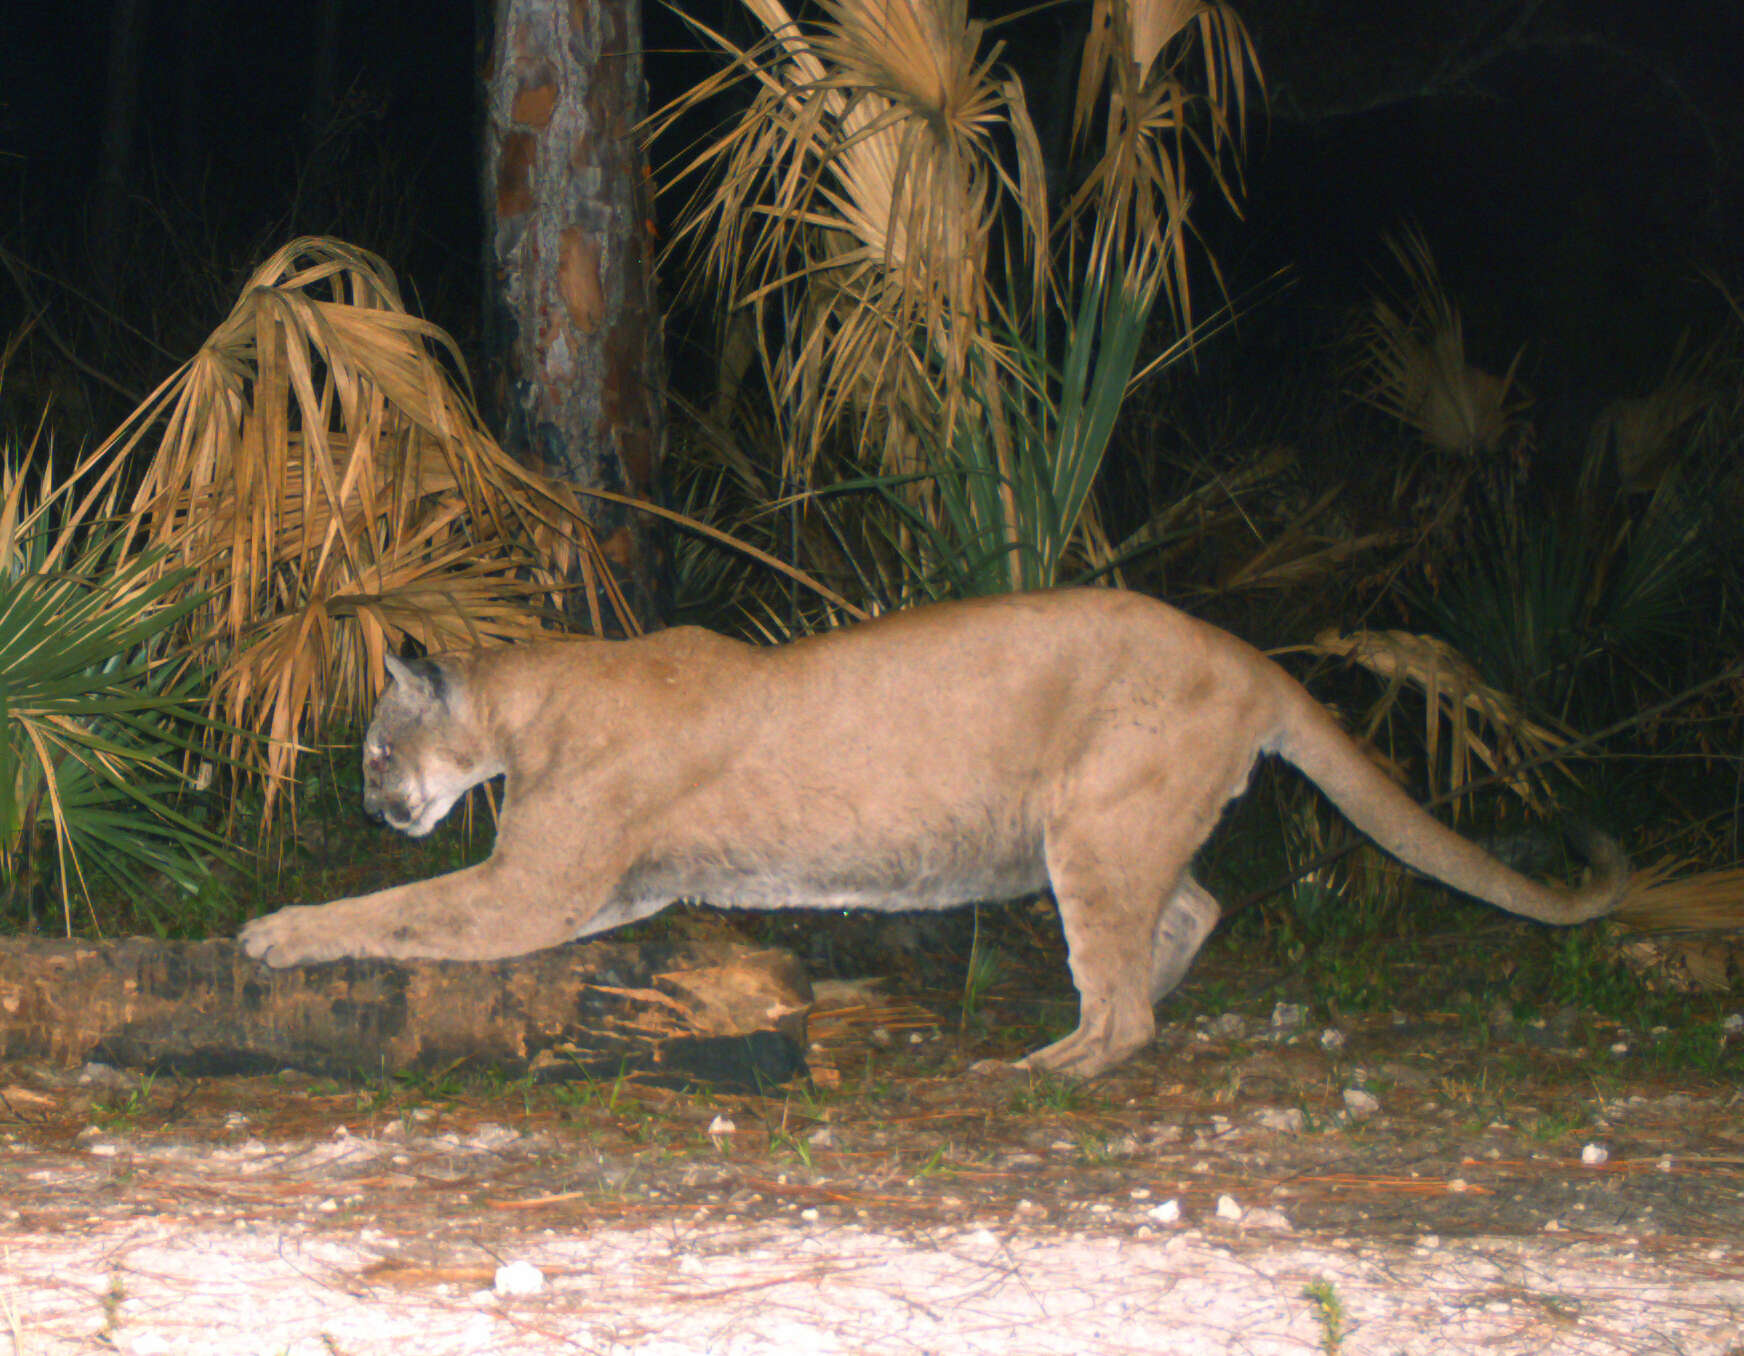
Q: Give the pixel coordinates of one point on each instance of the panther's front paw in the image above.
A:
(291, 937)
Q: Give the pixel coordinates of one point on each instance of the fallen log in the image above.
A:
(669, 1011)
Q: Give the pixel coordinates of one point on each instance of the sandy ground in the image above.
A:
(941, 1220)
(165, 1286)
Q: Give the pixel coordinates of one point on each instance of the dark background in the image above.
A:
(1577, 167)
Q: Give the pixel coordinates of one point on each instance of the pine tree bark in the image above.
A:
(572, 331)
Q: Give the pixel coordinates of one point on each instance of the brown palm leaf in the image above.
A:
(1137, 194)
(1457, 698)
(869, 168)
(321, 464)
(1411, 363)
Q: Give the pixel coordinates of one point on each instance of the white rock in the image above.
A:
(1228, 1209)
(519, 1278)
(1360, 1103)
(1595, 1154)
(1169, 1212)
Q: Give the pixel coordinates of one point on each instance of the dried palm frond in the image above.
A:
(868, 169)
(322, 469)
(1455, 696)
(1137, 193)
(1412, 364)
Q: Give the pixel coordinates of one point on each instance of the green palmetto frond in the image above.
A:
(1021, 516)
(98, 707)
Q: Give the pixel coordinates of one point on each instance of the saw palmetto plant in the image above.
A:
(879, 206)
(99, 705)
(319, 472)
(1411, 362)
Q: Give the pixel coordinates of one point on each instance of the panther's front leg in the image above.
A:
(480, 913)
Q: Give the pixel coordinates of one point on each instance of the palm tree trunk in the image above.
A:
(572, 331)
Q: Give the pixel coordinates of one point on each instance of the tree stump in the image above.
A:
(668, 1011)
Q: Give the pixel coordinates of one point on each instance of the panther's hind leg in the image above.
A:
(1132, 921)
(1184, 924)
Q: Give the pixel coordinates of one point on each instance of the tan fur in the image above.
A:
(1083, 740)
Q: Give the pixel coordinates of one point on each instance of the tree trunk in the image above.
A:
(571, 330)
(674, 1011)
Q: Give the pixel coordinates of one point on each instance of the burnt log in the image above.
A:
(672, 1012)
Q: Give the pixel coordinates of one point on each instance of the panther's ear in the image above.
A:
(423, 679)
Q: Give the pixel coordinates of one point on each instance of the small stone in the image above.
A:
(1168, 1212)
(519, 1278)
(1360, 1103)
(1265, 1217)
(721, 1126)
(1229, 1026)
(1286, 1120)
(1459, 1186)
(99, 1075)
(1228, 1209)
(1594, 1155)
(1288, 1016)
(1332, 1039)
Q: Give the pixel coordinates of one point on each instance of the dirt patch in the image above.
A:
(1256, 1183)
